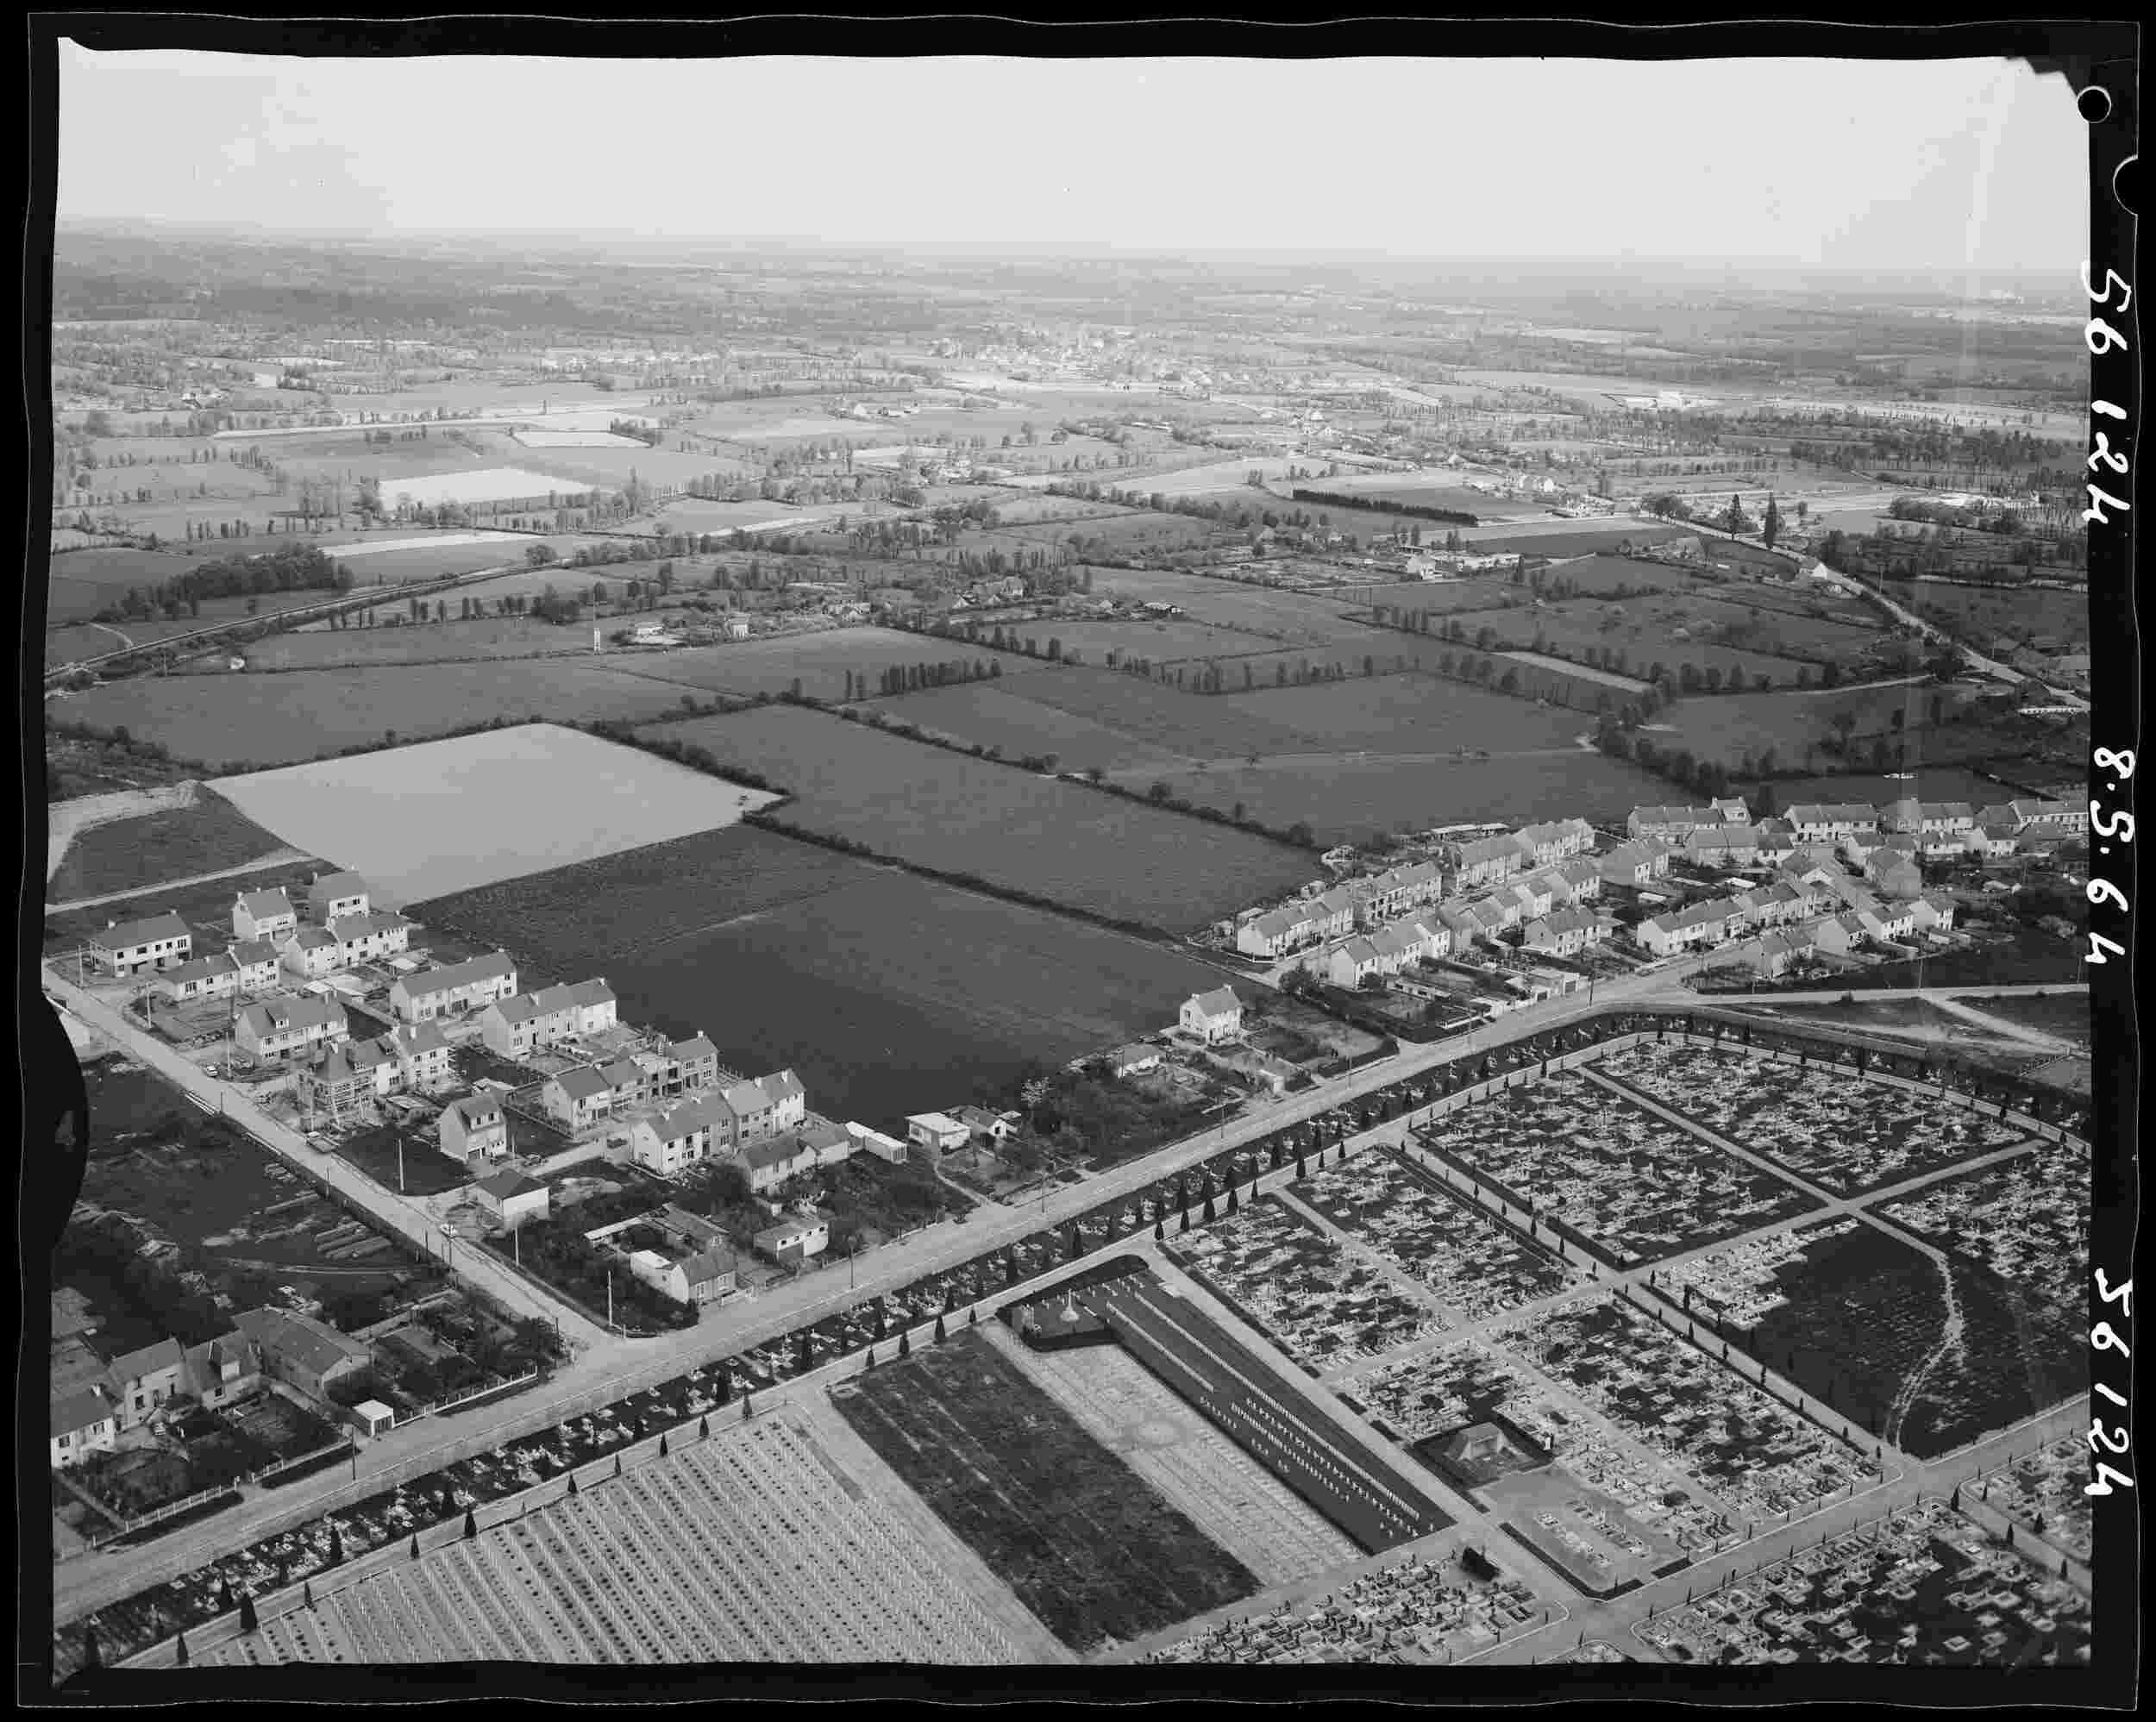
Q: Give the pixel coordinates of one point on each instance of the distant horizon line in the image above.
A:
(1045, 250)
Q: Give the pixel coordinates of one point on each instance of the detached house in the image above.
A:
(309, 953)
(455, 990)
(306, 1353)
(1933, 913)
(263, 915)
(474, 1128)
(578, 1099)
(127, 947)
(84, 1420)
(512, 1198)
(937, 1133)
(1212, 1016)
(332, 895)
(273, 1031)
(1351, 964)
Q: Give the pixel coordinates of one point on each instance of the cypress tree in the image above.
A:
(572, 1488)
(906, 1346)
(307, 1595)
(1205, 1214)
(617, 1464)
(248, 1622)
(703, 1428)
(662, 1447)
(179, 1651)
(472, 1523)
(1160, 1232)
(415, 1538)
(939, 1327)
(1185, 1225)
(972, 1319)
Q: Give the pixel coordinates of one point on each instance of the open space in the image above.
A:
(888, 993)
(1059, 841)
(390, 816)
(207, 836)
(238, 723)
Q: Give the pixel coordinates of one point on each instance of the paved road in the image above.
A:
(275, 858)
(608, 1367)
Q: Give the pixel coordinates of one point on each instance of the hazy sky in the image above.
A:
(1952, 164)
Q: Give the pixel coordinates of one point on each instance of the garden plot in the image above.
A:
(1472, 1264)
(1836, 1129)
(1128, 1409)
(1301, 1290)
(2019, 1218)
(1418, 1611)
(1748, 1451)
(2046, 1493)
(624, 1575)
(1631, 1187)
(388, 816)
(1927, 1587)
(1088, 1546)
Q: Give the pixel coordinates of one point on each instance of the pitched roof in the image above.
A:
(583, 1082)
(337, 885)
(409, 1039)
(495, 964)
(714, 1262)
(692, 1050)
(774, 1150)
(252, 953)
(82, 1409)
(262, 905)
(146, 1360)
(199, 968)
(1221, 1002)
(311, 939)
(937, 1122)
(587, 993)
(308, 1011)
(348, 928)
(516, 1009)
(309, 1344)
(476, 1110)
(124, 934)
(509, 1183)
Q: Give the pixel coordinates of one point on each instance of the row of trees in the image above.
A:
(290, 567)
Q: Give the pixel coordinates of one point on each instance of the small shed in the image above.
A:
(372, 1416)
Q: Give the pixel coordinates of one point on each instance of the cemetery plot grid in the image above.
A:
(1833, 1127)
(1635, 1188)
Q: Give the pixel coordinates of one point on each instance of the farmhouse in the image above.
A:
(512, 1198)
(130, 947)
(454, 989)
(262, 914)
(1212, 1016)
(797, 1239)
(301, 1352)
(1565, 932)
(475, 1127)
(332, 895)
(274, 1030)
(938, 1134)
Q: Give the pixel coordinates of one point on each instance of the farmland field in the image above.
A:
(421, 822)
(1201, 727)
(1287, 617)
(1088, 1546)
(1103, 642)
(818, 660)
(889, 994)
(1444, 598)
(133, 855)
(82, 582)
(936, 809)
(1793, 723)
(490, 484)
(1978, 612)
(236, 722)
(496, 637)
(1408, 714)
(991, 715)
(1563, 537)
(1347, 800)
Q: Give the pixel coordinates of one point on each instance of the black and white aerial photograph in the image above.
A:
(993, 861)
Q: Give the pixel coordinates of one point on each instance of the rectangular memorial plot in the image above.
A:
(1630, 1187)
(1843, 1132)
(1088, 1545)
